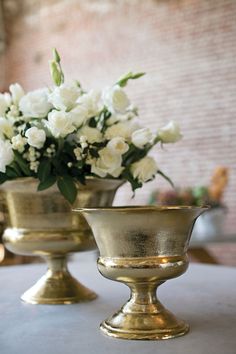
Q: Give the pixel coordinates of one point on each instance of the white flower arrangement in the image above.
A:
(63, 135)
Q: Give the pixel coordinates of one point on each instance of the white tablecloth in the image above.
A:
(205, 297)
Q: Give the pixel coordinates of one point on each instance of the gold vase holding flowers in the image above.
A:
(142, 247)
(59, 137)
(42, 224)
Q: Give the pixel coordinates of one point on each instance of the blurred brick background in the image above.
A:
(187, 48)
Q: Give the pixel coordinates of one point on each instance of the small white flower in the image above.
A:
(17, 93)
(91, 102)
(144, 169)
(6, 154)
(118, 146)
(18, 142)
(170, 133)
(93, 135)
(3, 104)
(115, 99)
(59, 123)
(35, 104)
(35, 137)
(6, 128)
(64, 97)
(122, 129)
(78, 153)
(34, 165)
(83, 139)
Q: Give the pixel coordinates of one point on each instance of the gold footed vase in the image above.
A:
(142, 247)
(42, 224)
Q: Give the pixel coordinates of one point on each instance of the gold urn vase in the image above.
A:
(42, 224)
(142, 247)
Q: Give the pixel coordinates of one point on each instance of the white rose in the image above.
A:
(18, 142)
(6, 154)
(122, 129)
(91, 102)
(35, 137)
(64, 96)
(141, 137)
(118, 146)
(170, 133)
(35, 104)
(59, 123)
(144, 169)
(79, 115)
(17, 93)
(6, 128)
(93, 135)
(107, 164)
(115, 99)
(3, 104)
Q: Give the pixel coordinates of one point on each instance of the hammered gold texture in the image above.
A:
(142, 247)
(41, 223)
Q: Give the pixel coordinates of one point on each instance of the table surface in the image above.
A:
(205, 297)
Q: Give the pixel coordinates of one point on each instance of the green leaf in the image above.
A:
(135, 184)
(47, 183)
(67, 187)
(16, 168)
(123, 80)
(44, 170)
(23, 165)
(3, 177)
(166, 177)
(11, 173)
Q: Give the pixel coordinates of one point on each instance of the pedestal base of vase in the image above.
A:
(57, 286)
(144, 326)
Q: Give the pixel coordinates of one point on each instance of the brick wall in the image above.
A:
(187, 48)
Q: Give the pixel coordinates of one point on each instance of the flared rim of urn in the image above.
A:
(144, 208)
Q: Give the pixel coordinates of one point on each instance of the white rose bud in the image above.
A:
(141, 137)
(170, 133)
(118, 146)
(35, 137)
(6, 155)
(6, 128)
(64, 97)
(115, 99)
(17, 93)
(59, 123)
(144, 170)
(93, 135)
(35, 104)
